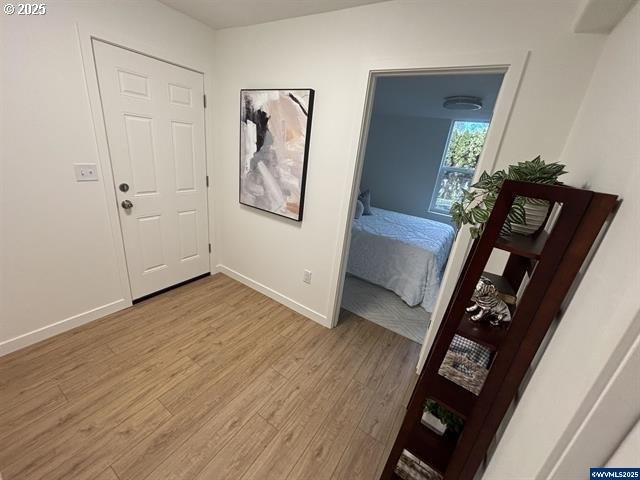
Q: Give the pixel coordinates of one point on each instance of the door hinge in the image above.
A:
(209, 248)
(207, 179)
(204, 101)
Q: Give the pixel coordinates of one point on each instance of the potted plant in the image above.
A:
(526, 214)
(441, 420)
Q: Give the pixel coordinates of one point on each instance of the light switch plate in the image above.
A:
(86, 172)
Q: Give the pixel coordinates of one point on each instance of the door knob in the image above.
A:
(126, 204)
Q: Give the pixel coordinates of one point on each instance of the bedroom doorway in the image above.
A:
(425, 134)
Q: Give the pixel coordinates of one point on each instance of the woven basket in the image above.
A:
(411, 468)
(465, 372)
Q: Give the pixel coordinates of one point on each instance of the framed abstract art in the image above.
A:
(275, 127)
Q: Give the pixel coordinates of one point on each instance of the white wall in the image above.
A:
(627, 451)
(328, 52)
(602, 321)
(57, 254)
(402, 161)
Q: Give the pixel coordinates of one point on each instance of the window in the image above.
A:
(458, 163)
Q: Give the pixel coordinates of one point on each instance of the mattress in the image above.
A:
(402, 253)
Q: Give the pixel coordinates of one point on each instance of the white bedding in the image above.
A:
(402, 253)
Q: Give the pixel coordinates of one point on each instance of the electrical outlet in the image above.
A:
(306, 278)
(86, 172)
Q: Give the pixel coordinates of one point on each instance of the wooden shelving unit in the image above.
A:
(491, 361)
(482, 332)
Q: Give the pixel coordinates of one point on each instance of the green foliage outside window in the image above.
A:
(456, 172)
(465, 144)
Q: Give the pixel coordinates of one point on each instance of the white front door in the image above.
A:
(154, 115)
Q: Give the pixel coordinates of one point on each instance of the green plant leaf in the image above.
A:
(454, 423)
(481, 215)
(479, 199)
(506, 228)
(517, 214)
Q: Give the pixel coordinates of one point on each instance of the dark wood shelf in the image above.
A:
(452, 396)
(433, 449)
(529, 247)
(542, 269)
(483, 332)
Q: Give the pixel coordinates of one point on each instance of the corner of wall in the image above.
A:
(277, 296)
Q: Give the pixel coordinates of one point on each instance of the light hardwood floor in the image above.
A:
(211, 380)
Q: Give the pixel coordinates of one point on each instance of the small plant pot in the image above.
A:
(433, 423)
(535, 216)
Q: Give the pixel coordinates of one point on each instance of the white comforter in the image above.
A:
(402, 253)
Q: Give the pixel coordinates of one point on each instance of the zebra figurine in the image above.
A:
(485, 298)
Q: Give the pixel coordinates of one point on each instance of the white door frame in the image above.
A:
(512, 63)
(86, 34)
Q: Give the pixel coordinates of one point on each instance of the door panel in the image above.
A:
(142, 158)
(180, 95)
(188, 224)
(183, 153)
(133, 84)
(154, 118)
(150, 241)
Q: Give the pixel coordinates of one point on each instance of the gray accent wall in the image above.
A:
(408, 133)
(402, 160)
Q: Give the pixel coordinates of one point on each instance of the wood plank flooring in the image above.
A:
(209, 381)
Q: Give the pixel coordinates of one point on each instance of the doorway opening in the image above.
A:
(425, 137)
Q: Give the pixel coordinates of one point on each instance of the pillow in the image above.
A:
(359, 209)
(365, 198)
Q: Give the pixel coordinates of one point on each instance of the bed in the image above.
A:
(402, 253)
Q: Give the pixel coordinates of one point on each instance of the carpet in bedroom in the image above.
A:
(382, 306)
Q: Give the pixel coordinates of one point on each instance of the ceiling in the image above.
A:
(423, 95)
(236, 13)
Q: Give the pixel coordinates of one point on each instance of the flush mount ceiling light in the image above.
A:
(462, 102)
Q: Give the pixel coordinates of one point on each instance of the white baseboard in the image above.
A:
(43, 333)
(277, 296)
